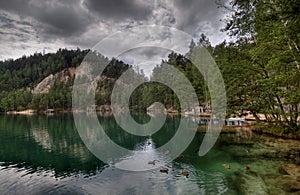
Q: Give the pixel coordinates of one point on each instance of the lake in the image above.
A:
(42, 154)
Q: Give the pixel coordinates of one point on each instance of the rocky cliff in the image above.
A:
(48, 82)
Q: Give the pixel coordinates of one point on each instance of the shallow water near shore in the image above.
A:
(42, 154)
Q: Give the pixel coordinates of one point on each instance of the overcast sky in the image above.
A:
(32, 26)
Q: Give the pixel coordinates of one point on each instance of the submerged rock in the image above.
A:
(292, 186)
(250, 183)
(290, 169)
(290, 180)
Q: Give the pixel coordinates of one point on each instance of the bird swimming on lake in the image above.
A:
(247, 168)
(164, 170)
(185, 173)
(227, 166)
(152, 162)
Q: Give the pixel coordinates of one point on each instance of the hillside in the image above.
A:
(29, 71)
(41, 81)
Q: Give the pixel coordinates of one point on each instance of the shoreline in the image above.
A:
(255, 128)
(227, 129)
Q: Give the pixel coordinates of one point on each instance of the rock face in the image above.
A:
(44, 85)
(156, 108)
(48, 82)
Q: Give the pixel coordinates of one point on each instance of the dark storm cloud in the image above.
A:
(62, 22)
(53, 17)
(194, 12)
(119, 9)
(82, 23)
(67, 18)
(74, 17)
(13, 5)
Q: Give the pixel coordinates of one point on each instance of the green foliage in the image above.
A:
(15, 100)
(261, 68)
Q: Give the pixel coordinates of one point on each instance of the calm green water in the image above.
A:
(44, 154)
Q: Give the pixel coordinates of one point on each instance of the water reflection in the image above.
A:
(47, 142)
(45, 154)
